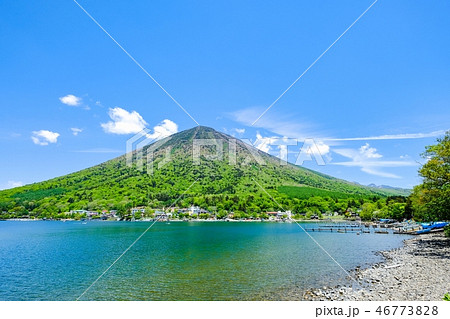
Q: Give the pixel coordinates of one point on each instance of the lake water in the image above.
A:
(51, 260)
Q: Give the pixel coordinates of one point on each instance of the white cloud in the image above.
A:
(263, 143)
(376, 163)
(71, 100)
(284, 125)
(273, 145)
(278, 146)
(44, 137)
(76, 131)
(234, 131)
(363, 154)
(377, 172)
(124, 122)
(279, 124)
(163, 129)
(321, 149)
(369, 152)
(366, 158)
(12, 184)
(99, 150)
(391, 137)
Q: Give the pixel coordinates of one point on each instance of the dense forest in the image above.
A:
(248, 183)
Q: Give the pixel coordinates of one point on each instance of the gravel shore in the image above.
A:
(419, 270)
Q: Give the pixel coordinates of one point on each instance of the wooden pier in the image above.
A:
(339, 228)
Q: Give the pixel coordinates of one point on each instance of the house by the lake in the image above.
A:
(135, 210)
(279, 215)
(163, 215)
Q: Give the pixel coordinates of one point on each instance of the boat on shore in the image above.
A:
(432, 227)
(411, 228)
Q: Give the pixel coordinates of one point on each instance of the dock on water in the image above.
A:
(339, 228)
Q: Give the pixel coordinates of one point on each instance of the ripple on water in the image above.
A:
(177, 261)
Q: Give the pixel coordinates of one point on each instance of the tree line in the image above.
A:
(126, 188)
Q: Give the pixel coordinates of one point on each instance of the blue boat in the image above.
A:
(413, 228)
(423, 231)
(431, 227)
(434, 225)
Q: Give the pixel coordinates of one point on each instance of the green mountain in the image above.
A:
(232, 180)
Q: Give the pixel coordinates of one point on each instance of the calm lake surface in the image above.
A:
(51, 260)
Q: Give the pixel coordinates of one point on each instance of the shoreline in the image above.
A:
(419, 270)
(181, 220)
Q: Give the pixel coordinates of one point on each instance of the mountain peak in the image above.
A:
(181, 165)
(206, 142)
(201, 131)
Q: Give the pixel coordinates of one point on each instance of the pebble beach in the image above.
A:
(419, 270)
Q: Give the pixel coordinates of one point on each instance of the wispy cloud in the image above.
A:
(44, 137)
(124, 122)
(99, 150)
(76, 131)
(366, 158)
(390, 136)
(281, 124)
(377, 172)
(10, 184)
(13, 184)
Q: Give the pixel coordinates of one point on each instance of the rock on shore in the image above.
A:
(420, 270)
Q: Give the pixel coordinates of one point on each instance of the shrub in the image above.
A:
(447, 230)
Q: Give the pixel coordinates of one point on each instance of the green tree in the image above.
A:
(396, 210)
(447, 230)
(221, 214)
(264, 216)
(203, 216)
(367, 211)
(431, 199)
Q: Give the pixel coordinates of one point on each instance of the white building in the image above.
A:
(137, 210)
(194, 210)
(79, 211)
(286, 214)
(162, 215)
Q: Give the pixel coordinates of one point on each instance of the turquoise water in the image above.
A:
(50, 260)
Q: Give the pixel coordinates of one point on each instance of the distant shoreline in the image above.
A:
(189, 220)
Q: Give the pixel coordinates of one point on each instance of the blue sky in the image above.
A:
(70, 97)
